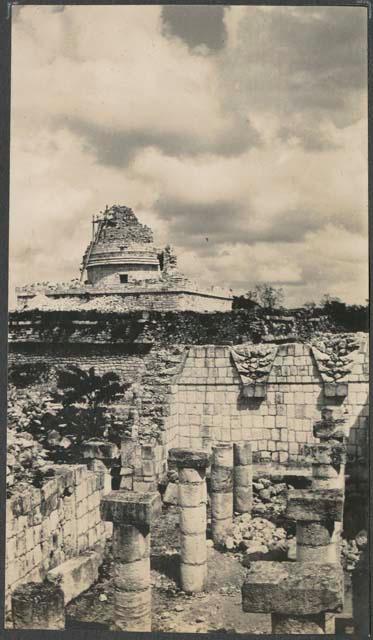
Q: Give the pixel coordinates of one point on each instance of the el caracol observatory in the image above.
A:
(122, 266)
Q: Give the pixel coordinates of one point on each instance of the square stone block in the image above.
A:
(316, 505)
(189, 458)
(248, 390)
(77, 574)
(293, 588)
(126, 507)
(99, 449)
(147, 452)
(334, 389)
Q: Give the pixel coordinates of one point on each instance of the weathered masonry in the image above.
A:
(122, 261)
(271, 396)
(282, 399)
(56, 531)
(268, 394)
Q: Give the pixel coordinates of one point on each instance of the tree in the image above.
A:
(310, 306)
(345, 317)
(84, 396)
(270, 297)
(264, 295)
(246, 301)
(328, 300)
(87, 387)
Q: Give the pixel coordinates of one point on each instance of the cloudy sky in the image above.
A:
(238, 133)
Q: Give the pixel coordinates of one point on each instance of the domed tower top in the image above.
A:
(121, 250)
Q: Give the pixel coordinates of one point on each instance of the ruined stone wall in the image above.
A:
(195, 302)
(108, 275)
(194, 394)
(45, 527)
(130, 364)
(123, 227)
(278, 423)
(152, 369)
(159, 327)
(162, 300)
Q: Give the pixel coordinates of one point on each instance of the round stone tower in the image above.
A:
(121, 251)
(125, 271)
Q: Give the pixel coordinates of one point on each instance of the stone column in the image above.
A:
(328, 466)
(132, 515)
(242, 477)
(38, 605)
(316, 514)
(221, 491)
(192, 465)
(100, 455)
(325, 475)
(302, 597)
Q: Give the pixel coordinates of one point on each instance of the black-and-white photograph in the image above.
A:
(188, 366)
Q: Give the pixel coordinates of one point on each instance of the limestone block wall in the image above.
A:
(163, 300)
(45, 527)
(195, 302)
(171, 425)
(197, 394)
(212, 405)
(152, 369)
(188, 327)
(129, 364)
(160, 298)
(108, 275)
(150, 466)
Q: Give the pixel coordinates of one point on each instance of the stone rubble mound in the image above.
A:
(27, 460)
(110, 303)
(258, 538)
(270, 497)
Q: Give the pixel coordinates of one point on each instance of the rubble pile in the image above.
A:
(106, 304)
(27, 459)
(35, 416)
(270, 497)
(258, 538)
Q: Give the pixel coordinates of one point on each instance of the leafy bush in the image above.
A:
(26, 374)
(352, 317)
(264, 295)
(60, 420)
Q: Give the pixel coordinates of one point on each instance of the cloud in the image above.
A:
(244, 125)
(119, 148)
(112, 95)
(196, 25)
(306, 270)
(225, 221)
(307, 65)
(298, 134)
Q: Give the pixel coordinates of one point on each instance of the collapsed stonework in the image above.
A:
(124, 269)
(303, 594)
(190, 388)
(192, 395)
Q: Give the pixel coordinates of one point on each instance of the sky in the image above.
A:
(239, 134)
